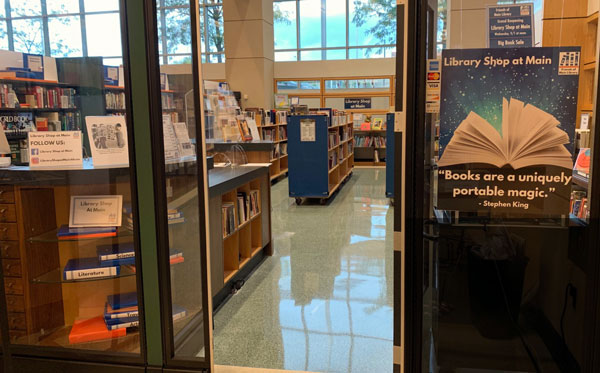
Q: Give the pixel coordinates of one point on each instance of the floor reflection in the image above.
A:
(324, 301)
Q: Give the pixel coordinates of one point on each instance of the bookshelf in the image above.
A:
(317, 169)
(370, 139)
(276, 131)
(236, 251)
(389, 162)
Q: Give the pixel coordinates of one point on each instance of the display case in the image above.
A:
(102, 225)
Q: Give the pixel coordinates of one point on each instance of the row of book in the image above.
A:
(115, 100)
(279, 116)
(333, 139)
(248, 206)
(333, 158)
(37, 97)
(370, 141)
(167, 100)
(283, 133)
(579, 204)
(269, 134)
(121, 313)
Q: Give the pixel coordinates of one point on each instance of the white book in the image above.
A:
(124, 325)
(91, 273)
(124, 255)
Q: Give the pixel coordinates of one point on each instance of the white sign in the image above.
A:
(55, 149)
(585, 121)
(307, 130)
(108, 140)
(171, 144)
(186, 148)
(95, 211)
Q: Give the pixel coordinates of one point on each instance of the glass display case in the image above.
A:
(102, 200)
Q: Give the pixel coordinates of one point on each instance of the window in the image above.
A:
(54, 28)
(308, 30)
(174, 31)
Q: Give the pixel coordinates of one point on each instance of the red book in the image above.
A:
(93, 329)
(176, 260)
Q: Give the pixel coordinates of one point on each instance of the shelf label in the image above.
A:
(96, 211)
(55, 149)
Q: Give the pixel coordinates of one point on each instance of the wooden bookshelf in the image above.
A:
(279, 156)
(235, 254)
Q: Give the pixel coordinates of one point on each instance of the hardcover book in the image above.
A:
(115, 252)
(582, 164)
(66, 233)
(125, 312)
(85, 268)
(93, 329)
(123, 300)
(530, 137)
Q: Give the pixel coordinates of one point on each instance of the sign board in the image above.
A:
(108, 140)
(307, 130)
(507, 122)
(357, 103)
(510, 26)
(55, 149)
(96, 211)
(432, 86)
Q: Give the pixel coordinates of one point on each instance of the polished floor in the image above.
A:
(324, 301)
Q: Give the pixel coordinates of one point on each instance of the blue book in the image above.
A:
(178, 312)
(131, 324)
(85, 268)
(121, 313)
(116, 254)
(123, 300)
(123, 320)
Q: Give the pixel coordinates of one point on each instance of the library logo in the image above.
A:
(568, 63)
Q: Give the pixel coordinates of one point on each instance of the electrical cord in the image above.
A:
(564, 311)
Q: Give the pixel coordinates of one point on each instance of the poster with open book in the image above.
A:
(507, 122)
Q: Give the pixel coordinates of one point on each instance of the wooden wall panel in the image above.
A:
(565, 8)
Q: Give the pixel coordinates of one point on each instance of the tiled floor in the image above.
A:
(324, 301)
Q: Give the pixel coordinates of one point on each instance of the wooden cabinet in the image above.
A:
(23, 260)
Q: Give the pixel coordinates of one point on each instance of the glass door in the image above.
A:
(500, 220)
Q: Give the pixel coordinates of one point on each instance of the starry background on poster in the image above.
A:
(481, 90)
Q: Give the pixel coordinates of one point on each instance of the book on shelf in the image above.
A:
(276, 152)
(125, 312)
(243, 207)
(254, 202)
(86, 268)
(268, 134)
(122, 300)
(579, 204)
(126, 325)
(115, 100)
(334, 139)
(41, 123)
(116, 254)
(376, 155)
(121, 320)
(229, 224)
(582, 164)
(283, 133)
(178, 312)
(66, 233)
(283, 149)
(93, 329)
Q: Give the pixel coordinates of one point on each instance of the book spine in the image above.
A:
(125, 325)
(122, 315)
(91, 273)
(117, 256)
(180, 315)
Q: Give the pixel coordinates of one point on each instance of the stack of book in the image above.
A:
(115, 100)
(167, 100)
(121, 311)
(268, 134)
(175, 216)
(66, 233)
(228, 214)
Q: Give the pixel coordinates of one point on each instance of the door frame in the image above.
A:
(409, 212)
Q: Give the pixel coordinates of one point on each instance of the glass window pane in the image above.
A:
(112, 61)
(371, 23)
(335, 84)
(336, 24)
(373, 52)
(310, 24)
(287, 85)
(214, 16)
(20, 8)
(284, 23)
(178, 30)
(65, 36)
(27, 34)
(3, 35)
(62, 6)
(310, 85)
(177, 60)
(311, 55)
(216, 58)
(336, 54)
(99, 6)
(286, 56)
(104, 34)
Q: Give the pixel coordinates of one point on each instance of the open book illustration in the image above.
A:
(530, 136)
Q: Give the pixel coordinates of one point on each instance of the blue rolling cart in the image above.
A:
(319, 165)
(389, 159)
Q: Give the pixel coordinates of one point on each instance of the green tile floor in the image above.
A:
(324, 301)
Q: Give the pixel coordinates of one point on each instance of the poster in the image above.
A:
(510, 26)
(108, 140)
(60, 149)
(507, 124)
(307, 130)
